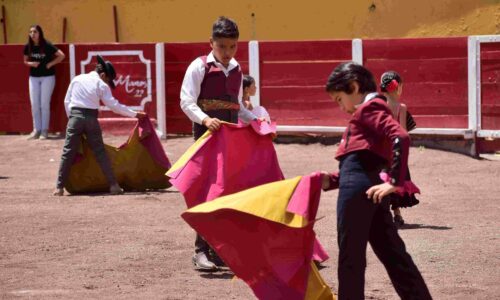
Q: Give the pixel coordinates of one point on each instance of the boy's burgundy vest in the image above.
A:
(216, 85)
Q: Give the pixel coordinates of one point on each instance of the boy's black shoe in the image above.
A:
(398, 220)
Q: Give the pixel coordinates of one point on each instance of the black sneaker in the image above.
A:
(398, 220)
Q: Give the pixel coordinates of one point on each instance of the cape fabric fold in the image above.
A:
(265, 235)
(138, 164)
(234, 158)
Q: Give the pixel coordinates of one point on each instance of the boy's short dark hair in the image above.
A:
(225, 28)
(247, 81)
(344, 74)
(99, 68)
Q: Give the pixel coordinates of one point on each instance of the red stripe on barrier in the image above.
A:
(490, 86)
(293, 74)
(302, 106)
(305, 50)
(417, 48)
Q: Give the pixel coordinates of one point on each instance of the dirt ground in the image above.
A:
(136, 246)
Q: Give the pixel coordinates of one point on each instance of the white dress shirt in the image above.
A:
(86, 90)
(191, 87)
(370, 96)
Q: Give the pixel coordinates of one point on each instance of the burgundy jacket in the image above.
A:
(373, 128)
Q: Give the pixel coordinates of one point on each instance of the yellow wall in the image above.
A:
(184, 20)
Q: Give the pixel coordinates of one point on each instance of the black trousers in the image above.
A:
(83, 121)
(360, 221)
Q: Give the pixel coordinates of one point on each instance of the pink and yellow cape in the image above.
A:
(265, 235)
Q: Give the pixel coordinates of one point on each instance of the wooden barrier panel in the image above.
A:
(490, 86)
(135, 73)
(434, 72)
(178, 56)
(15, 111)
(292, 80)
(293, 77)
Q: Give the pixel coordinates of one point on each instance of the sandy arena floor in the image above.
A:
(136, 246)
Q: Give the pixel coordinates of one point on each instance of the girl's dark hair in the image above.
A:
(41, 40)
(247, 81)
(344, 74)
(225, 28)
(387, 77)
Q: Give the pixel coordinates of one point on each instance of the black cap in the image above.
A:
(109, 70)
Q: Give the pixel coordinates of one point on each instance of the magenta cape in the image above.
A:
(265, 235)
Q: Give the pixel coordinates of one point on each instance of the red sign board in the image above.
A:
(135, 73)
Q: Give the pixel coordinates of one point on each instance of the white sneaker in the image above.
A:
(201, 262)
(44, 135)
(34, 135)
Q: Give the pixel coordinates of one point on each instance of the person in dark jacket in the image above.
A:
(372, 141)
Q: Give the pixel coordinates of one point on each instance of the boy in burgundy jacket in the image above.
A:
(373, 141)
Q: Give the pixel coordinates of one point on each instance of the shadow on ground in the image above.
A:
(423, 226)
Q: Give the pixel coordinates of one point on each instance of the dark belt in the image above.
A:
(85, 111)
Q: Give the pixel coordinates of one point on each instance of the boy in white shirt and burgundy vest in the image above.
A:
(212, 92)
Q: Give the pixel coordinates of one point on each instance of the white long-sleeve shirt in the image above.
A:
(86, 90)
(191, 88)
